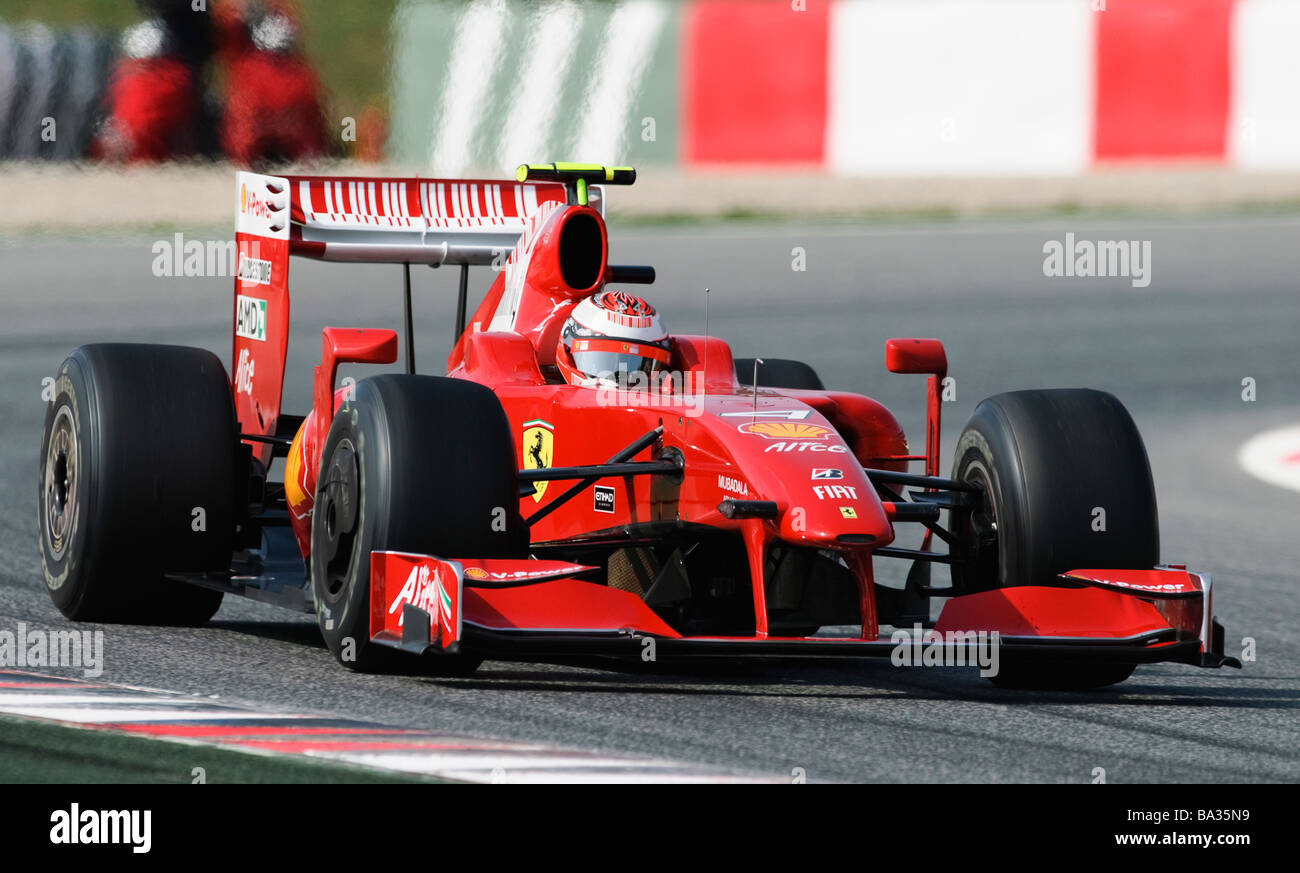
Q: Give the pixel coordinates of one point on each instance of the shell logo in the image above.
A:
(476, 572)
(785, 430)
(243, 198)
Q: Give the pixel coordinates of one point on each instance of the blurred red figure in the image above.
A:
(273, 108)
(155, 104)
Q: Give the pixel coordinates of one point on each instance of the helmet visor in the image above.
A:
(608, 359)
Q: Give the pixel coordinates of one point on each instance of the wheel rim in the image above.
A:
(985, 521)
(986, 556)
(61, 486)
(339, 505)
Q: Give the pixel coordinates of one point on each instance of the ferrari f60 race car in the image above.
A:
(729, 510)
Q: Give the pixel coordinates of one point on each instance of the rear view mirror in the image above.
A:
(908, 355)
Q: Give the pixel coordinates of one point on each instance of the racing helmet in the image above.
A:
(610, 334)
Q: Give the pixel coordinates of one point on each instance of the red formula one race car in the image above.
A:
(582, 484)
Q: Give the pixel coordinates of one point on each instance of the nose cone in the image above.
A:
(825, 497)
(791, 455)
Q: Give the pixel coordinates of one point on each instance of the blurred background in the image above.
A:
(734, 107)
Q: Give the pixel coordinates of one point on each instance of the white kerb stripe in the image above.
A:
(136, 714)
(476, 50)
(1264, 127)
(549, 53)
(950, 87)
(629, 39)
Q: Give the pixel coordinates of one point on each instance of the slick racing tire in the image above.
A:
(137, 479)
(1067, 484)
(779, 373)
(413, 464)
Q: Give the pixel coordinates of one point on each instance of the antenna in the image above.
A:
(757, 361)
(705, 380)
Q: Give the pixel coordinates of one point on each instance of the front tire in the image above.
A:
(137, 479)
(414, 464)
(1067, 484)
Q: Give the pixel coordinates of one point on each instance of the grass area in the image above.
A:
(37, 751)
(346, 40)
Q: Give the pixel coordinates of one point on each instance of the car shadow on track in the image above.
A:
(867, 681)
(871, 682)
(304, 632)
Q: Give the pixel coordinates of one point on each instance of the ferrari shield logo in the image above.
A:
(538, 443)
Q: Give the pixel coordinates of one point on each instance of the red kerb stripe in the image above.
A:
(1163, 79)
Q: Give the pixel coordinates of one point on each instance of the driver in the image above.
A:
(609, 337)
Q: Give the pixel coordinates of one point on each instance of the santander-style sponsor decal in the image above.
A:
(785, 430)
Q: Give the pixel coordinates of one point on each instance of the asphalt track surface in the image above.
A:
(1224, 305)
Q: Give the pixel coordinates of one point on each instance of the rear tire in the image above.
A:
(1048, 461)
(779, 373)
(414, 464)
(138, 439)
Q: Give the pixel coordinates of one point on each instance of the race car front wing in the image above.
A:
(513, 609)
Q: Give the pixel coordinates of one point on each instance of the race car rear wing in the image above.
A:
(368, 220)
(400, 220)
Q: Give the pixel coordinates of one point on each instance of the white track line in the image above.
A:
(1273, 456)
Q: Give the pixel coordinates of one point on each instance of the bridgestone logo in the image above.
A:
(250, 316)
(253, 271)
